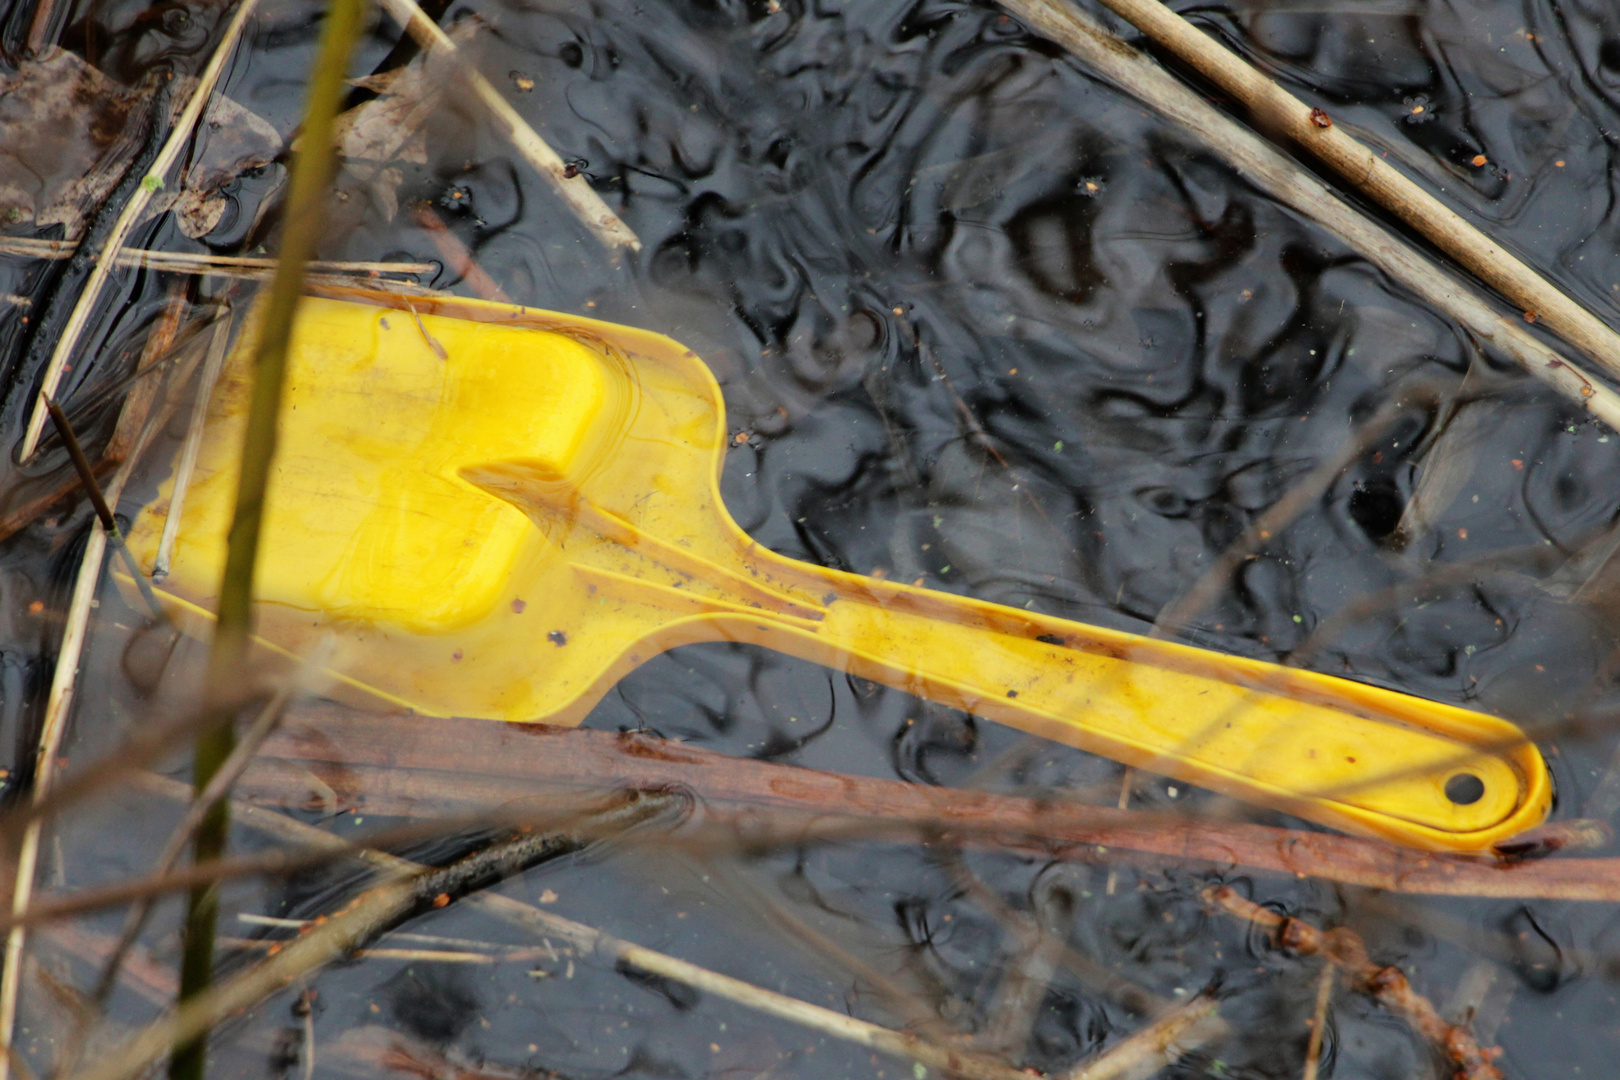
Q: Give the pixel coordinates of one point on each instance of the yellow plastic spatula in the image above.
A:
(502, 511)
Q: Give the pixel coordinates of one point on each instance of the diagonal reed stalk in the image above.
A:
(306, 209)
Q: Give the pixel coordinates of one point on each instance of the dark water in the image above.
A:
(875, 219)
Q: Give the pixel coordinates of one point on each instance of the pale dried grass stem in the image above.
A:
(574, 189)
(217, 346)
(202, 263)
(1285, 180)
(1275, 109)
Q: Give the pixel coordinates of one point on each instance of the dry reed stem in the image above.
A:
(59, 701)
(1388, 985)
(1285, 180)
(575, 190)
(420, 956)
(178, 138)
(217, 348)
(410, 765)
(590, 942)
(308, 191)
(1313, 1047)
(57, 704)
(1275, 109)
(918, 1015)
(203, 263)
(1165, 1041)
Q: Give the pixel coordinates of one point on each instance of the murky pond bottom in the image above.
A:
(985, 324)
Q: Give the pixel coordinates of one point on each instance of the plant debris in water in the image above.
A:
(984, 324)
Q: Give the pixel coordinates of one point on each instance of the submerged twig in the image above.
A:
(409, 885)
(218, 787)
(1344, 949)
(590, 942)
(151, 183)
(306, 209)
(1275, 109)
(575, 189)
(459, 259)
(1277, 517)
(1285, 180)
(109, 524)
(1165, 1041)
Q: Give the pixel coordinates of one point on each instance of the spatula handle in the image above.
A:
(1369, 760)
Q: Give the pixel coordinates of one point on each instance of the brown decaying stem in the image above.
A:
(39, 26)
(1275, 109)
(455, 253)
(574, 190)
(1344, 949)
(1285, 180)
(410, 765)
(62, 904)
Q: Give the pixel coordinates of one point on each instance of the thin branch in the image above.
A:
(1275, 109)
(109, 524)
(218, 787)
(1165, 1041)
(360, 920)
(1285, 180)
(1345, 950)
(591, 942)
(575, 190)
(405, 764)
(133, 210)
(55, 906)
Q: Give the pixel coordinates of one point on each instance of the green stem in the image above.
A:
(306, 207)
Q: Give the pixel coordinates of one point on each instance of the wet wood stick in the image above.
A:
(87, 477)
